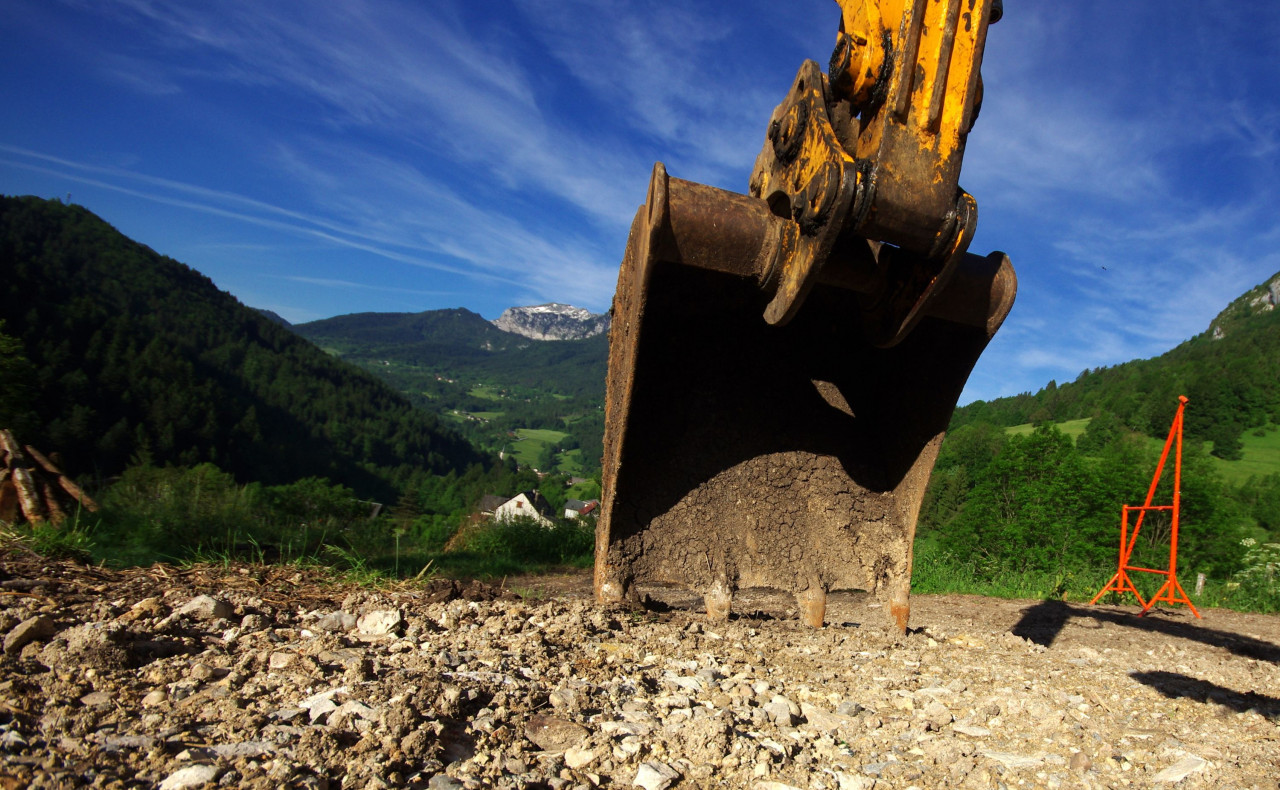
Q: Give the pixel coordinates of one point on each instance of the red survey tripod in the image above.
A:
(1171, 591)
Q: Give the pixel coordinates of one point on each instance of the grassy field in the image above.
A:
(570, 462)
(1072, 428)
(532, 441)
(1261, 453)
(487, 393)
(1261, 457)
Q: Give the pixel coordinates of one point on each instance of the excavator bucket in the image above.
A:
(743, 454)
(782, 365)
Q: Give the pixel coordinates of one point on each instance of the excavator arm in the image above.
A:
(783, 364)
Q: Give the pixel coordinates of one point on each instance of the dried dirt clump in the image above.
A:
(268, 677)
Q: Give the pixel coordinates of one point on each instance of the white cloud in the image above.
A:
(411, 74)
(432, 226)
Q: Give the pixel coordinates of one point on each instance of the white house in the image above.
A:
(574, 508)
(530, 504)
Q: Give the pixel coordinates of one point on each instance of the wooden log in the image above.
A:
(28, 497)
(8, 499)
(50, 501)
(63, 481)
(44, 462)
(9, 445)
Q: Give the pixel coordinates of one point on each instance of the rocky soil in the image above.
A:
(268, 677)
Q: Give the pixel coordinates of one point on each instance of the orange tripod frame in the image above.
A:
(1171, 591)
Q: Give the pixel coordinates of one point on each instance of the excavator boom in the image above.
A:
(783, 364)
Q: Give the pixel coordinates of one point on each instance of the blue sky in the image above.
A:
(320, 158)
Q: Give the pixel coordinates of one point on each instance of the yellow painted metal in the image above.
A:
(913, 116)
(801, 446)
(863, 31)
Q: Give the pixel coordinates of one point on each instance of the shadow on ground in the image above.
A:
(1176, 686)
(1043, 622)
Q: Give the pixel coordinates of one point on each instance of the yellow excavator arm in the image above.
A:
(783, 364)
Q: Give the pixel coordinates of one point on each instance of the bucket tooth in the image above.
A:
(813, 606)
(719, 601)
(742, 454)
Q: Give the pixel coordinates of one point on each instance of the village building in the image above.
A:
(575, 508)
(528, 504)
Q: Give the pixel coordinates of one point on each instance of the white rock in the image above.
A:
(779, 712)
(380, 623)
(655, 776)
(355, 709)
(695, 684)
(315, 699)
(206, 607)
(854, 781)
(321, 709)
(937, 714)
(1009, 760)
(336, 621)
(281, 660)
(191, 776)
(563, 699)
(577, 758)
(1181, 769)
(972, 730)
(247, 749)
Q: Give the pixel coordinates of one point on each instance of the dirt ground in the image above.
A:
(278, 677)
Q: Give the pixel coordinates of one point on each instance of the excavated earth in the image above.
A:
(271, 677)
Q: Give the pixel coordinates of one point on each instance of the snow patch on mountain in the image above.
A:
(552, 321)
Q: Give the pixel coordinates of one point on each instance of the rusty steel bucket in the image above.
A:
(740, 453)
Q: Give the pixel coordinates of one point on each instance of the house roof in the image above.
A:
(539, 502)
(581, 507)
(491, 502)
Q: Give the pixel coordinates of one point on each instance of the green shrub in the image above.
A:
(527, 540)
(72, 540)
(433, 532)
(1256, 587)
(178, 513)
(171, 512)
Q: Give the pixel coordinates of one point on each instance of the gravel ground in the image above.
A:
(268, 677)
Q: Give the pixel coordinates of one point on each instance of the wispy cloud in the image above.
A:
(1125, 159)
(403, 72)
(328, 282)
(1137, 193)
(432, 226)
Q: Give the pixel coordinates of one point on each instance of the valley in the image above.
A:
(538, 395)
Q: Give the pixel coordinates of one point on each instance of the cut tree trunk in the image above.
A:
(33, 488)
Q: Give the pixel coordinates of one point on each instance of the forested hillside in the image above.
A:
(1231, 373)
(461, 343)
(123, 355)
(1037, 501)
(490, 383)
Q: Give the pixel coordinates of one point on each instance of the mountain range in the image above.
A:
(134, 356)
(490, 382)
(127, 357)
(553, 321)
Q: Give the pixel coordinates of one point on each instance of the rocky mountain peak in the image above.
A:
(552, 321)
(1260, 299)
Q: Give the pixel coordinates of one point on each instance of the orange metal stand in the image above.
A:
(1171, 591)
